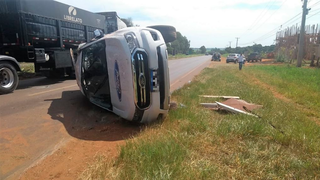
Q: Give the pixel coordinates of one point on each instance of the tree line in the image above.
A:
(182, 46)
(249, 49)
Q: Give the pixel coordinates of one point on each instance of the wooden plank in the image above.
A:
(209, 105)
(234, 110)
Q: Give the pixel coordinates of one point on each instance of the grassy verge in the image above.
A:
(297, 84)
(180, 56)
(197, 143)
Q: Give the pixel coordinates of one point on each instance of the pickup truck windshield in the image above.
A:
(94, 71)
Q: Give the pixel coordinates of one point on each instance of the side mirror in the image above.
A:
(98, 34)
(169, 33)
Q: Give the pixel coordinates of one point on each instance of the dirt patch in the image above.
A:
(87, 129)
(70, 160)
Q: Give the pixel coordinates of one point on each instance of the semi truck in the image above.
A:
(42, 32)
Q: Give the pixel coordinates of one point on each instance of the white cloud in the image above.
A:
(210, 23)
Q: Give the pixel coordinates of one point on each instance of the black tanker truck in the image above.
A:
(42, 32)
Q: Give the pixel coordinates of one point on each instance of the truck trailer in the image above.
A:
(42, 32)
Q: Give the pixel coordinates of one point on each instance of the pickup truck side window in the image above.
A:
(95, 79)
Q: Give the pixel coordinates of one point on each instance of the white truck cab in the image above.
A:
(127, 72)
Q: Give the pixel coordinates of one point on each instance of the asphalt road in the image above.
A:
(41, 115)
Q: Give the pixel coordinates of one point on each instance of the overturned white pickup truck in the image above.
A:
(127, 73)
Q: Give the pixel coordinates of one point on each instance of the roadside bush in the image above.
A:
(263, 55)
(282, 56)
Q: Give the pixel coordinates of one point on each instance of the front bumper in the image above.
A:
(159, 89)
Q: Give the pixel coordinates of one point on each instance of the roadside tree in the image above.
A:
(203, 49)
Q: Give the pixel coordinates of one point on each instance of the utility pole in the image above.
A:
(302, 33)
(237, 41)
(230, 44)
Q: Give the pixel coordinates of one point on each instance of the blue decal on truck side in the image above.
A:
(117, 79)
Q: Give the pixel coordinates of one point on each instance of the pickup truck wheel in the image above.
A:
(169, 33)
(8, 78)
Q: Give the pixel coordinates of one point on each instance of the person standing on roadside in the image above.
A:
(240, 60)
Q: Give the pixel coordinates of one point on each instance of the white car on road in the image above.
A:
(127, 73)
(233, 57)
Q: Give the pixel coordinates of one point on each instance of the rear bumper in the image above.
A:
(231, 60)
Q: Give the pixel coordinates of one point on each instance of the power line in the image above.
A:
(264, 37)
(315, 4)
(262, 13)
(276, 29)
(317, 12)
(269, 17)
(295, 20)
(258, 18)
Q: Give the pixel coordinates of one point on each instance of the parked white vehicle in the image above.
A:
(127, 72)
(233, 57)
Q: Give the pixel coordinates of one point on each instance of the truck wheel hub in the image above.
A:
(6, 77)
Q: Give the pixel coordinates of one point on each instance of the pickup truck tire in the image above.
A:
(169, 33)
(9, 79)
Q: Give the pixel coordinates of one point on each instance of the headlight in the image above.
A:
(131, 41)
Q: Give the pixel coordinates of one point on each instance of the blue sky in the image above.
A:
(212, 23)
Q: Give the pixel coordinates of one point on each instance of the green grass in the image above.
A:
(197, 143)
(27, 67)
(27, 71)
(299, 84)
